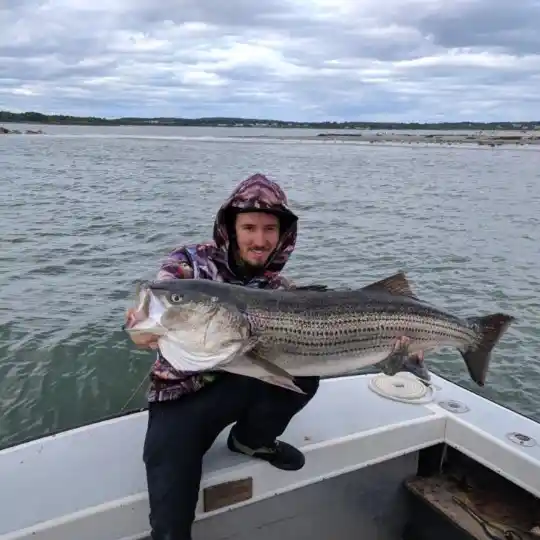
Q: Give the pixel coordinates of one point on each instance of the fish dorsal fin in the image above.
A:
(397, 285)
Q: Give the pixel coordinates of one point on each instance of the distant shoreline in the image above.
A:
(481, 138)
(7, 117)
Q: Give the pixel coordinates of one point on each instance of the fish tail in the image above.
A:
(489, 328)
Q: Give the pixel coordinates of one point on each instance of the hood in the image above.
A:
(259, 193)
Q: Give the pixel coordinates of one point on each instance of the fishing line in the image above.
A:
(135, 392)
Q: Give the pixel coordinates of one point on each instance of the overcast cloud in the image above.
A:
(403, 60)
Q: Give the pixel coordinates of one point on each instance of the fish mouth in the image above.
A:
(146, 318)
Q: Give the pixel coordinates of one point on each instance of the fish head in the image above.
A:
(196, 328)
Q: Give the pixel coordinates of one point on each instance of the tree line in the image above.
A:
(61, 119)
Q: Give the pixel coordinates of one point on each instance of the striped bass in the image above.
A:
(276, 335)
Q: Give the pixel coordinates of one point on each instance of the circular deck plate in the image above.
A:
(521, 439)
(403, 387)
(454, 406)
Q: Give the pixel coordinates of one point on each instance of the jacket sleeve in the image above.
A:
(175, 266)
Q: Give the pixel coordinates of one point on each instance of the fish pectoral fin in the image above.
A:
(273, 374)
(268, 366)
(282, 382)
(396, 284)
(262, 374)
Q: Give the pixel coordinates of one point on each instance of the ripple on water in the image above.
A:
(84, 218)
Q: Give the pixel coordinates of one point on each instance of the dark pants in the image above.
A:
(182, 430)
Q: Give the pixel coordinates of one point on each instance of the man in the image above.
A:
(254, 236)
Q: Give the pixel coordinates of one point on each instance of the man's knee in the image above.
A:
(295, 401)
(309, 385)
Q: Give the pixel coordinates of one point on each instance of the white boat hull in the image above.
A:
(89, 483)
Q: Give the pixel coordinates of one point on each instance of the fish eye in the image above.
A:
(175, 298)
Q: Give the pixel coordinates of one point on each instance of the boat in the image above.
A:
(387, 458)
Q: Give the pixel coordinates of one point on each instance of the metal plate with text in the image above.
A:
(227, 493)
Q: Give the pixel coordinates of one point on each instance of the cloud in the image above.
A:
(402, 60)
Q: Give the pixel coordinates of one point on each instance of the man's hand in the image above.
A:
(144, 341)
(414, 363)
(401, 360)
(402, 345)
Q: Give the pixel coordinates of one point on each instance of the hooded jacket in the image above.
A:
(211, 260)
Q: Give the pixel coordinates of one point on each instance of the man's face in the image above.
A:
(257, 234)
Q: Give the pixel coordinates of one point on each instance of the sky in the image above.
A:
(300, 60)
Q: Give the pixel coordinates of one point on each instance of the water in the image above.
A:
(87, 211)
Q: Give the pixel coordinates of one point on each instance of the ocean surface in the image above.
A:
(85, 212)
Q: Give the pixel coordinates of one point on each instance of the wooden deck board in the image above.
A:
(468, 489)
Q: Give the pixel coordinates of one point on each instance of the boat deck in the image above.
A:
(343, 414)
(89, 483)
